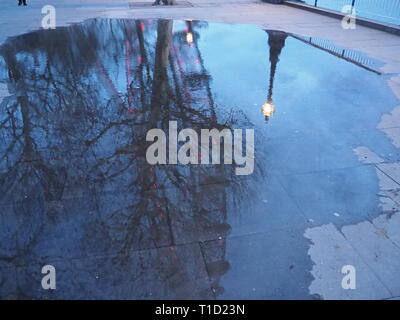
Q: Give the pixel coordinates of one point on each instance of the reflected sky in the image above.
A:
(76, 190)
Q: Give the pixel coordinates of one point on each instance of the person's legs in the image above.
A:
(24, 2)
(20, 2)
(156, 2)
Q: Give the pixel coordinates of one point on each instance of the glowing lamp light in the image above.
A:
(268, 109)
(189, 38)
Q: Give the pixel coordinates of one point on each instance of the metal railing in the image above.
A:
(351, 56)
(387, 11)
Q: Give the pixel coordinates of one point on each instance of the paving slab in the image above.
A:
(165, 273)
(271, 265)
(271, 209)
(391, 169)
(378, 252)
(338, 196)
(8, 282)
(330, 252)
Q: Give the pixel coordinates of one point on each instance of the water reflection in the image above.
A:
(77, 192)
(75, 183)
(276, 42)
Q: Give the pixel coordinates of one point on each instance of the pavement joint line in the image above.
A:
(384, 128)
(139, 250)
(386, 174)
(331, 169)
(385, 235)
(206, 267)
(303, 213)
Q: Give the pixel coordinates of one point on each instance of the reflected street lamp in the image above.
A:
(276, 42)
(268, 109)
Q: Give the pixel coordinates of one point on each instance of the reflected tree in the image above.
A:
(74, 154)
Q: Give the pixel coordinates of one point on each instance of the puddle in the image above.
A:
(77, 192)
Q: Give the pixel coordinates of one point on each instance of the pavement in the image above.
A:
(329, 199)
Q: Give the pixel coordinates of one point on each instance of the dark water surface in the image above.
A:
(77, 192)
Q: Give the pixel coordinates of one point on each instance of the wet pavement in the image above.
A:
(77, 192)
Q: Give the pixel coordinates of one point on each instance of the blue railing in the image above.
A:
(387, 11)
